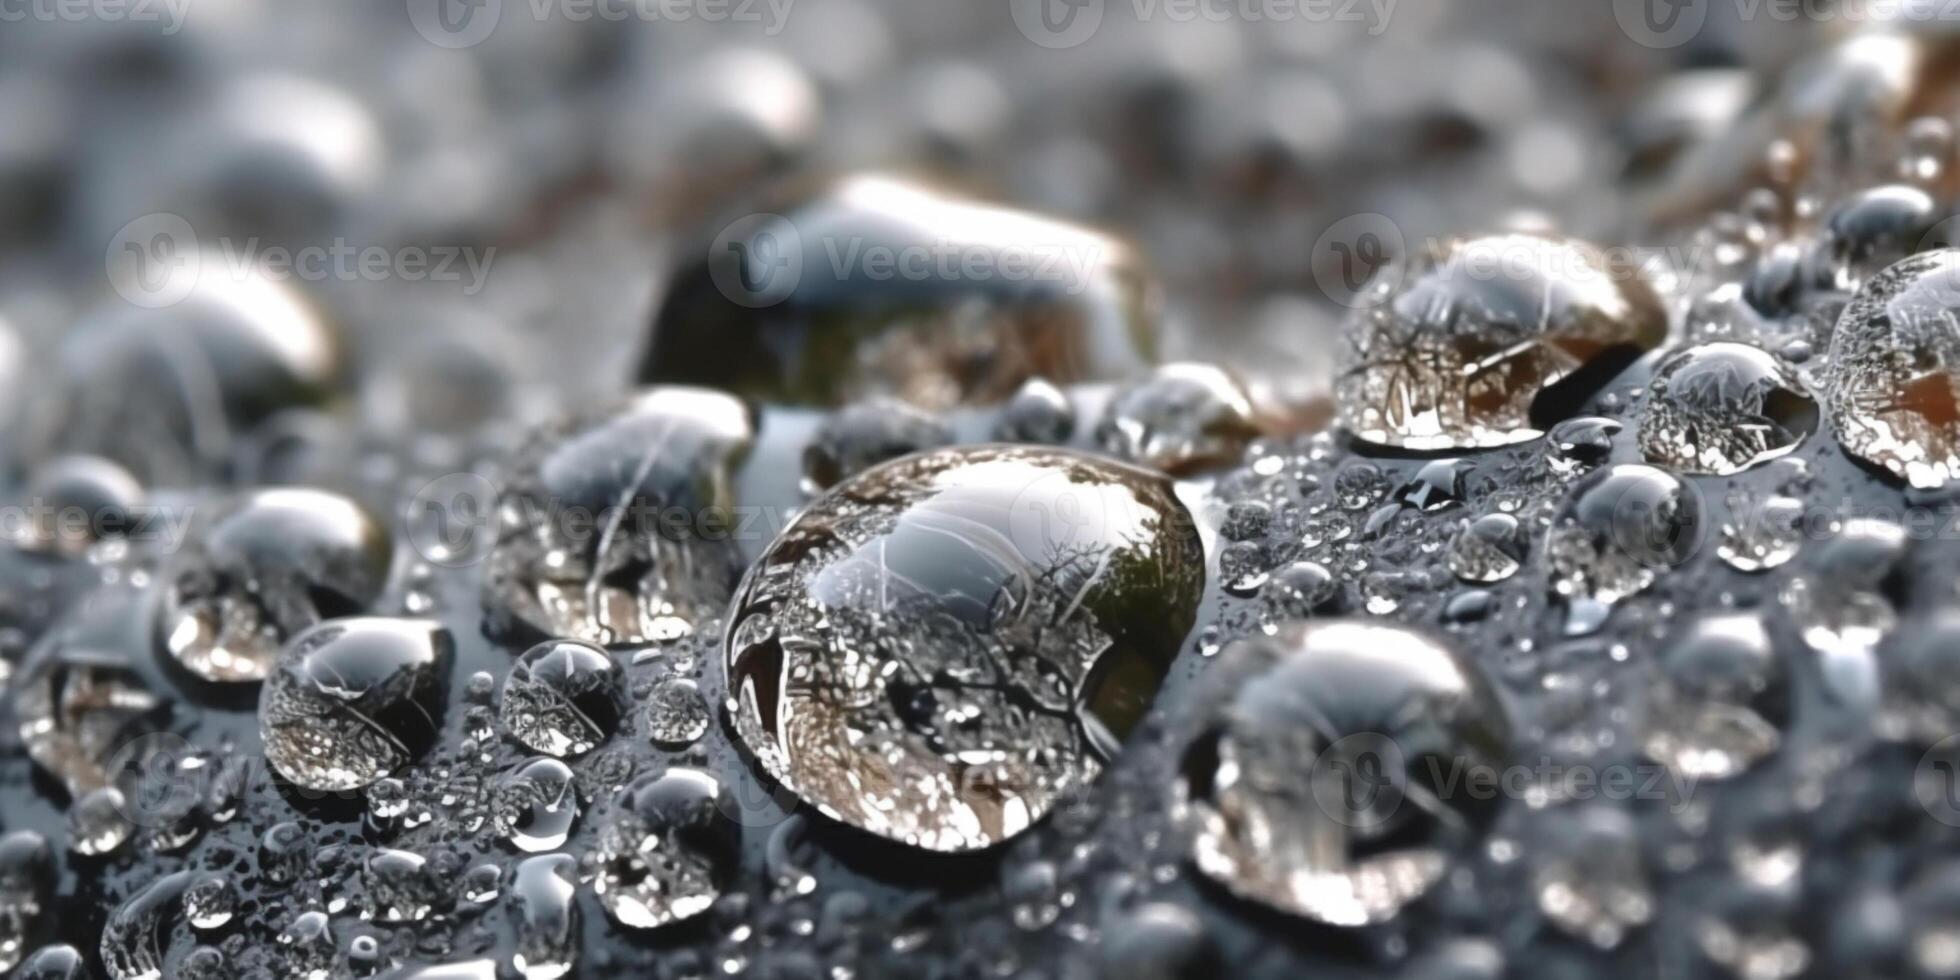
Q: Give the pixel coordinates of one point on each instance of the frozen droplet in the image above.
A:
(615, 530)
(351, 700)
(862, 435)
(676, 714)
(1721, 699)
(1313, 786)
(562, 698)
(1617, 530)
(940, 300)
(1588, 875)
(210, 902)
(664, 852)
(1488, 549)
(1452, 350)
(1893, 383)
(1762, 537)
(275, 563)
(1182, 418)
(537, 805)
(1039, 413)
(940, 649)
(1722, 408)
(541, 895)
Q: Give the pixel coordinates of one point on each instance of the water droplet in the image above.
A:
(1721, 699)
(1358, 486)
(1302, 588)
(1313, 788)
(57, 962)
(74, 503)
(614, 530)
(1039, 413)
(1438, 484)
(1842, 610)
(83, 694)
(98, 822)
(276, 562)
(210, 902)
(541, 893)
(351, 700)
(769, 313)
(676, 714)
(27, 879)
(1870, 230)
(563, 698)
(1157, 940)
(399, 886)
(1589, 878)
(1722, 408)
(537, 805)
(862, 435)
(1618, 528)
(1488, 549)
(1181, 419)
(1893, 383)
(1576, 445)
(1764, 537)
(1451, 351)
(284, 853)
(308, 945)
(137, 934)
(664, 851)
(952, 642)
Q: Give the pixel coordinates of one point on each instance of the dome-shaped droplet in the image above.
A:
(940, 648)
(1722, 408)
(74, 502)
(137, 935)
(676, 713)
(210, 902)
(1618, 529)
(1182, 418)
(275, 563)
(1588, 875)
(1721, 699)
(862, 435)
(307, 945)
(1893, 384)
(536, 806)
(665, 852)
(1576, 445)
(1869, 231)
(84, 692)
(351, 700)
(541, 893)
(1039, 413)
(1843, 604)
(1488, 549)
(398, 886)
(562, 698)
(58, 962)
(1763, 536)
(1451, 349)
(1313, 786)
(615, 530)
(1922, 677)
(875, 285)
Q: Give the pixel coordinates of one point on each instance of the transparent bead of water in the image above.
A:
(1181, 419)
(1311, 786)
(862, 435)
(399, 886)
(1576, 445)
(98, 822)
(57, 962)
(1436, 485)
(1723, 408)
(1619, 527)
(665, 851)
(1453, 349)
(537, 805)
(1039, 413)
(874, 666)
(1762, 537)
(563, 698)
(1588, 876)
(275, 563)
(137, 934)
(1922, 677)
(74, 503)
(1359, 486)
(1842, 608)
(308, 946)
(547, 922)
(1893, 382)
(1488, 549)
(352, 700)
(1721, 700)
(210, 902)
(676, 713)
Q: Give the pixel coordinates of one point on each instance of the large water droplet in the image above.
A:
(942, 647)
(541, 893)
(562, 698)
(1722, 408)
(1182, 418)
(137, 934)
(1618, 529)
(351, 700)
(1721, 699)
(664, 852)
(1452, 350)
(275, 563)
(1893, 383)
(615, 530)
(1488, 549)
(537, 805)
(1315, 786)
